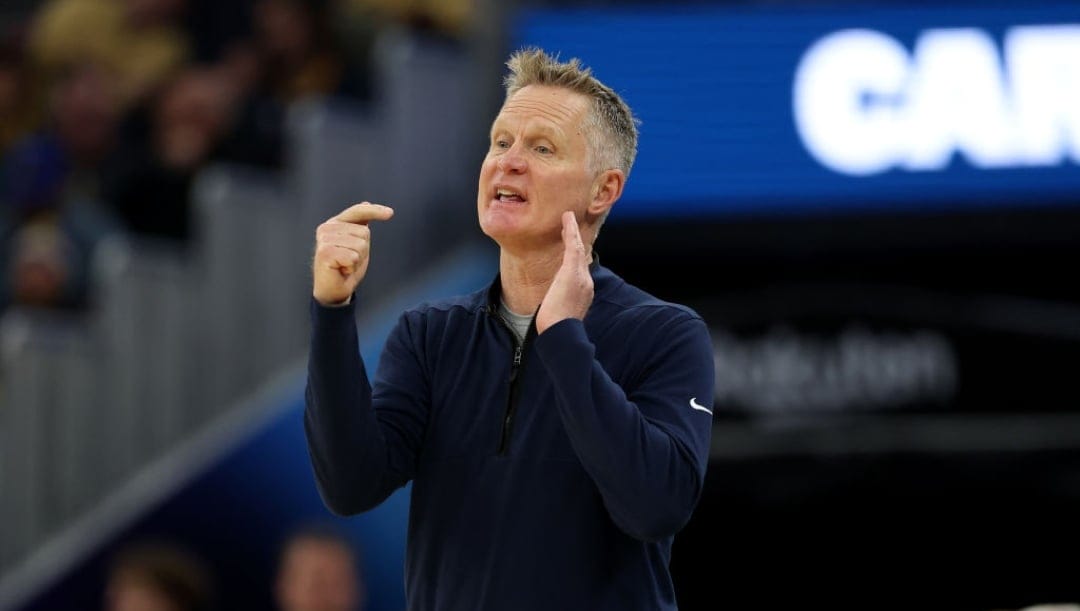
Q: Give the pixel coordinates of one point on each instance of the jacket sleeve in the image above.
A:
(646, 448)
(363, 444)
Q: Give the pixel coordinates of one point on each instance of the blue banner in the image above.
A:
(748, 111)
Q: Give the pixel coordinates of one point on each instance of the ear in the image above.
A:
(607, 189)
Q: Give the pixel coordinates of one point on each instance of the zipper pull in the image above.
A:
(517, 355)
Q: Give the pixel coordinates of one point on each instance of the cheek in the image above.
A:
(572, 190)
(484, 180)
(487, 167)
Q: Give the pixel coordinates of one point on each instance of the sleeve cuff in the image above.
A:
(332, 317)
(555, 342)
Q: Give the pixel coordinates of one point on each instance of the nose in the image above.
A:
(512, 161)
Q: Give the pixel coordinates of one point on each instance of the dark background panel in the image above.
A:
(961, 531)
(964, 503)
(1023, 251)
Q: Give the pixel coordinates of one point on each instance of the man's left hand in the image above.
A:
(571, 292)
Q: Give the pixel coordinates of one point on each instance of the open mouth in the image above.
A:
(509, 196)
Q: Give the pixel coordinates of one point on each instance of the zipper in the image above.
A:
(515, 389)
(511, 401)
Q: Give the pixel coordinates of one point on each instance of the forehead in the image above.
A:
(548, 106)
(309, 547)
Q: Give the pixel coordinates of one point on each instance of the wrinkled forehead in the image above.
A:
(555, 107)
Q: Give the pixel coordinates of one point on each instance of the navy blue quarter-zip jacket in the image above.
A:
(550, 477)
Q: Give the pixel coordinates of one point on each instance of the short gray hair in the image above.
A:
(610, 126)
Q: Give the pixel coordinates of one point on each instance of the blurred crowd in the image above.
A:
(318, 569)
(109, 109)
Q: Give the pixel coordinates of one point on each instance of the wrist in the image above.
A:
(334, 304)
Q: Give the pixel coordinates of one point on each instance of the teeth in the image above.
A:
(506, 193)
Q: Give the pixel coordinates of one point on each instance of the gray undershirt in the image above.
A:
(519, 323)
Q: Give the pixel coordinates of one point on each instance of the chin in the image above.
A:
(496, 214)
(496, 229)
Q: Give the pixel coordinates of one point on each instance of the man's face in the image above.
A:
(536, 168)
(318, 576)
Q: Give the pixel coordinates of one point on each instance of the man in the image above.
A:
(555, 425)
(318, 571)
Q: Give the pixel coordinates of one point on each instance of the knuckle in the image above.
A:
(327, 228)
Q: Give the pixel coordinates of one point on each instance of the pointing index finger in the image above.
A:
(366, 211)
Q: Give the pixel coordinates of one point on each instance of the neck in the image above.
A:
(526, 277)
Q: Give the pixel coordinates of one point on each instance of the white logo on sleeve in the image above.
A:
(699, 407)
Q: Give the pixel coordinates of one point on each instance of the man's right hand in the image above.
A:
(342, 248)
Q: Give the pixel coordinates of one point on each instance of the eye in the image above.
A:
(502, 144)
(543, 150)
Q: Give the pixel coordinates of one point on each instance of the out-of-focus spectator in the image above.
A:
(61, 159)
(299, 53)
(19, 107)
(292, 54)
(191, 117)
(450, 18)
(140, 41)
(319, 570)
(43, 267)
(148, 179)
(157, 577)
(51, 215)
(84, 115)
(359, 23)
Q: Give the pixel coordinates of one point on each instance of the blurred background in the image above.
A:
(874, 204)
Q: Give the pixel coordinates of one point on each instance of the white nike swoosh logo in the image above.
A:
(699, 407)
